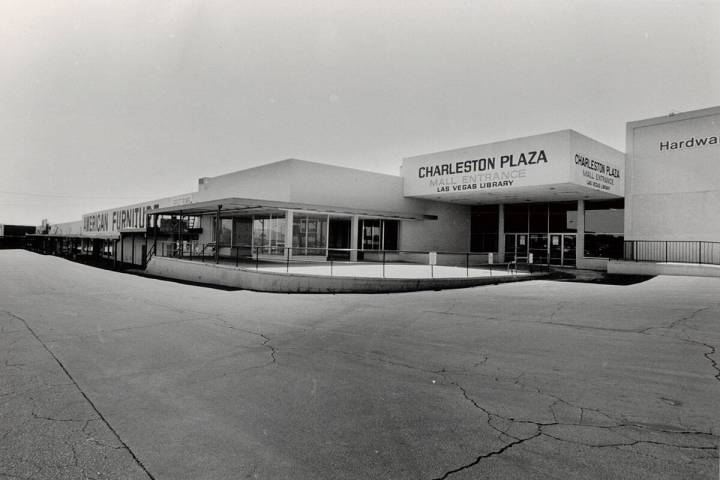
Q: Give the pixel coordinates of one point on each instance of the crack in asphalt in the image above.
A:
(82, 392)
(265, 343)
(541, 426)
(487, 455)
(687, 339)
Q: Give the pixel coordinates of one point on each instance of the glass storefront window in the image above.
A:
(225, 231)
(371, 234)
(484, 228)
(390, 234)
(376, 234)
(309, 234)
(242, 231)
(604, 228)
(516, 218)
(538, 218)
(562, 217)
(268, 233)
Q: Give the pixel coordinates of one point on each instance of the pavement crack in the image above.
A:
(85, 396)
(266, 344)
(266, 341)
(52, 419)
(627, 444)
(708, 355)
(480, 458)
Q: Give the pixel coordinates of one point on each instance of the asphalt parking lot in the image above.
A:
(107, 375)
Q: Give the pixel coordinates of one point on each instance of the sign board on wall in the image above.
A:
(596, 174)
(128, 217)
(677, 155)
(530, 164)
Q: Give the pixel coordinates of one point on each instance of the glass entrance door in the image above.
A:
(569, 252)
(516, 247)
(562, 249)
(556, 249)
(559, 248)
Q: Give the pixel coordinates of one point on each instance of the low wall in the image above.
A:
(592, 263)
(623, 267)
(227, 276)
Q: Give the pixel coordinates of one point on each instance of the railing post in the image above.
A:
(699, 253)
(666, 251)
(287, 260)
(467, 264)
(383, 263)
(237, 256)
(331, 267)
(257, 258)
(634, 249)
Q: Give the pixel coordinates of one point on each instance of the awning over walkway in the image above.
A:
(238, 206)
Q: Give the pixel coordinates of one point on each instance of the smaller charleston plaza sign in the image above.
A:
(597, 174)
(537, 164)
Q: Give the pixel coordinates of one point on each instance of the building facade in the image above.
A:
(559, 198)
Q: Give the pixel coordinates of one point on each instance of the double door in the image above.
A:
(552, 248)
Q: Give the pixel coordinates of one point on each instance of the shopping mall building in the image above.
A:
(558, 198)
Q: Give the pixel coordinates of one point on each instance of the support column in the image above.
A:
(501, 233)
(289, 220)
(155, 232)
(179, 233)
(354, 238)
(580, 237)
(218, 231)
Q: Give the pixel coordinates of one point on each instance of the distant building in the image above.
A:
(13, 236)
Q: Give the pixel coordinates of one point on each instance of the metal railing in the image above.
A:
(672, 251)
(333, 261)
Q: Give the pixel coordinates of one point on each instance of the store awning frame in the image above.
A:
(233, 206)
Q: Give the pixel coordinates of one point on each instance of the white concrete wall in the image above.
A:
(449, 233)
(210, 273)
(652, 268)
(66, 228)
(673, 194)
(299, 181)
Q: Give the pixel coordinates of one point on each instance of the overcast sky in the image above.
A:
(104, 103)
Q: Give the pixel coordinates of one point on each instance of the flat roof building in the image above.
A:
(558, 198)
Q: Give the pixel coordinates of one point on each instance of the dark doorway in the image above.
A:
(339, 238)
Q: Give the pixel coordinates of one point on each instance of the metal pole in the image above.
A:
(383, 263)
(237, 255)
(467, 264)
(331, 267)
(218, 230)
(147, 220)
(287, 265)
(257, 258)
(155, 229)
